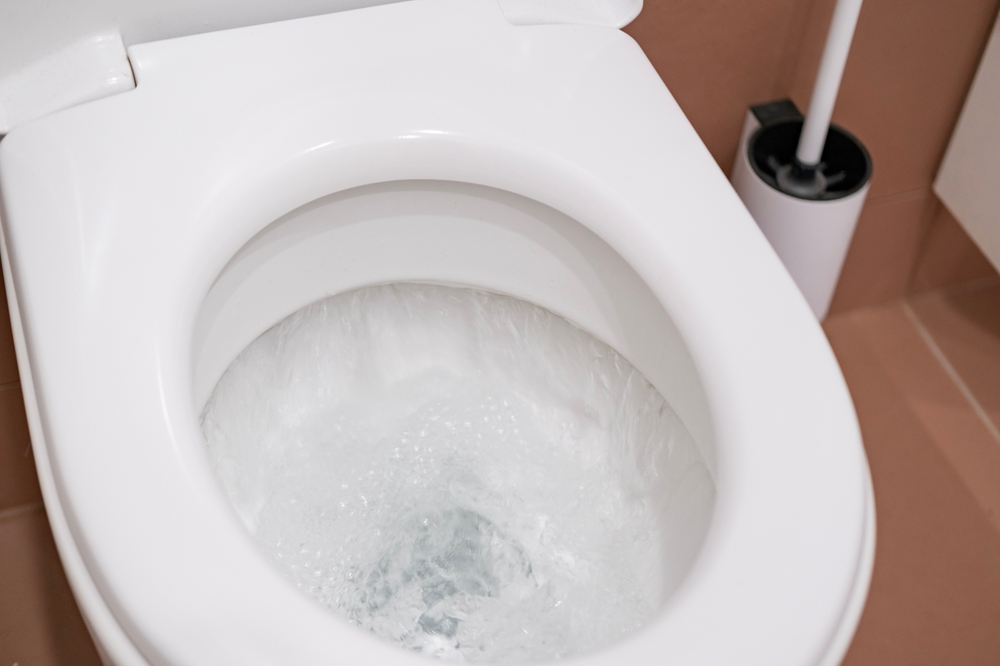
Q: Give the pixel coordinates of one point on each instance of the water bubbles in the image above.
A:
(466, 474)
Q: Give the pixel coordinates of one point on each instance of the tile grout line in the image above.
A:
(16, 511)
(971, 285)
(901, 197)
(951, 372)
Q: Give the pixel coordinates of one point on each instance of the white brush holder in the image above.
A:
(811, 236)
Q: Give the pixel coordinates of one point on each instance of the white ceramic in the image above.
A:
(59, 53)
(149, 234)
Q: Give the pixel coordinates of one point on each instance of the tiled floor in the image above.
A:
(39, 622)
(917, 371)
(925, 376)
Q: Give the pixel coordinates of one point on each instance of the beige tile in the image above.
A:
(909, 70)
(885, 246)
(40, 624)
(718, 58)
(948, 257)
(910, 67)
(935, 594)
(964, 323)
(937, 404)
(8, 362)
(18, 479)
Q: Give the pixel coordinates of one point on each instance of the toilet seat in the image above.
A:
(119, 214)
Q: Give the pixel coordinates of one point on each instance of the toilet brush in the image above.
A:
(805, 176)
(805, 180)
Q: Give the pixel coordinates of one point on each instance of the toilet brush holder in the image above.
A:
(809, 230)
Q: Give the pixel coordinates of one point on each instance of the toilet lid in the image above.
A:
(118, 215)
(60, 53)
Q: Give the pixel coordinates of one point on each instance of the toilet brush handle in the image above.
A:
(831, 69)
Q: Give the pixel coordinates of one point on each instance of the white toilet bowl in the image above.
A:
(148, 237)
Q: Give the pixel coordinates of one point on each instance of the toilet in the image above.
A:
(523, 147)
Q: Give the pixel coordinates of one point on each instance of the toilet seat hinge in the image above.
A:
(86, 70)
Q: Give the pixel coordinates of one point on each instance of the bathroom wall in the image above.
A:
(910, 68)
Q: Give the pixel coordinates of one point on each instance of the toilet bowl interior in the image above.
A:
(472, 236)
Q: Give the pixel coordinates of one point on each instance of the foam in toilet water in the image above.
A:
(465, 474)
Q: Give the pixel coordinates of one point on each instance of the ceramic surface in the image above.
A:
(119, 214)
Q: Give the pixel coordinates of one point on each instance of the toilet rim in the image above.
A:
(178, 398)
(684, 264)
